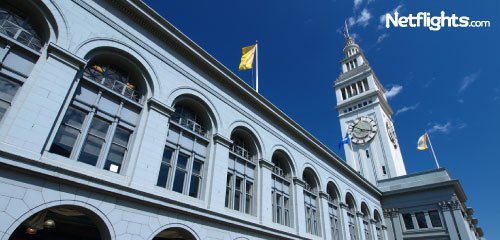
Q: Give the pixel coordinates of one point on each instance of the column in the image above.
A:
(300, 219)
(325, 213)
(218, 173)
(394, 230)
(373, 229)
(39, 101)
(152, 145)
(449, 220)
(265, 198)
(361, 226)
(345, 220)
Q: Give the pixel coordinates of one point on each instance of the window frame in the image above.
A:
(234, 175)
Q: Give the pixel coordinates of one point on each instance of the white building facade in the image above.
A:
(115, 125)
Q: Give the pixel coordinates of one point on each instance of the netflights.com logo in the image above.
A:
(433, 23)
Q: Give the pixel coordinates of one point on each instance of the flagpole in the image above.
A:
(257, 66)
(432, 149)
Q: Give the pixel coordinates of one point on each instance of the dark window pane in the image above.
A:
(194, 186)
(228, 189)
(91, 150)
(422, 223)
(68, 132)
(163, 176)
(8, 89)
(408, 221)
(64, 141)
(3, 108)
(197, 167)
(122, 136)
(182, 161)
(115, 158)
(179, 181)
(74, 118)
(167, 155)
(99, 127)
(435, 219)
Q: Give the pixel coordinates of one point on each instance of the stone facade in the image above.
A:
(121, 191)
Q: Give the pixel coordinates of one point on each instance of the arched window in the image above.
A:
(281, 193)
(366, 221)
(241, 172)
(378, 225)
(184, 157)
(20, 44)
(334, 210)
(18, 25)
(351, 217)
(100, 121)
(311, 202)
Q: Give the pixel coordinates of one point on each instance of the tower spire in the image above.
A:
(346, 30)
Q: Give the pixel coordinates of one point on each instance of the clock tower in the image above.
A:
(366, 117)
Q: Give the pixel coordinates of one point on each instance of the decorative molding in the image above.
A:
(450, 205)
(266, 164)
(160, 107)
(299, 182)
(344, 205)
(359, 214)
(323, 195)
(391, 212)
(65, 57)
(219, 139)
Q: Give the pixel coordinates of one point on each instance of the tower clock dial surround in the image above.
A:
(362, 130)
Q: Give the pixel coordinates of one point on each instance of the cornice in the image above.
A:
(226, 142)
(299, 182)
(160, 107)
(65, 56)
(266, 164)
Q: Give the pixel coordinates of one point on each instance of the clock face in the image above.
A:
(362, 130)
(392, 134)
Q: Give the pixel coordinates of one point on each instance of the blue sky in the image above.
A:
(444, 81)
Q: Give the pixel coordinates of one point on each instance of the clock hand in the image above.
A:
(362, 129)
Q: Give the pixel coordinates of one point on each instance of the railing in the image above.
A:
(10, 25)
(240, 151)
(278, 171)
(125, 89)
(189, 124)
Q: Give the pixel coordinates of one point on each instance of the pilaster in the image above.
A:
(218, 174)
(300, 220)
(327, 231)
(266, 206)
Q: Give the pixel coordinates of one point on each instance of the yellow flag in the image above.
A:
(248, 54)
(422, 142)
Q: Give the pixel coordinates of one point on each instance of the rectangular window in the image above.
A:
(194, 185)
(435, 219)
(166, 165)
(71, 128)
(365, 84)
(117, 150)
(92, 147)
(367, 153)
(344, 95)
(8, 90)
(228, 189)
(180, 173)
(237, 193)
(249, 196)
(384, 171)
(421, 221)
(407, 219)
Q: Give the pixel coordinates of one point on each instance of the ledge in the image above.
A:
(65, 57)
(162, 108)
(226, 142)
